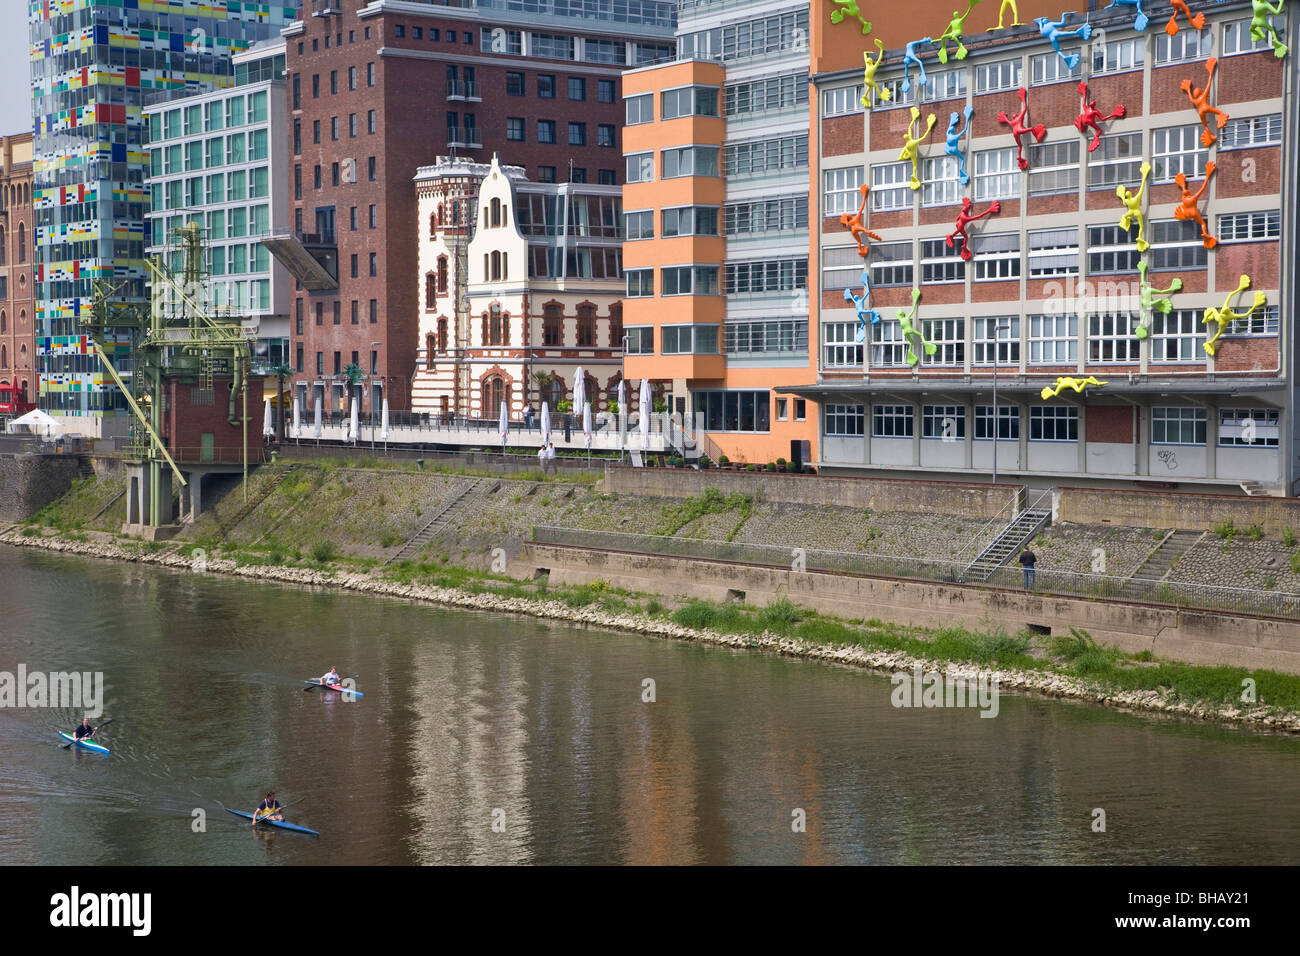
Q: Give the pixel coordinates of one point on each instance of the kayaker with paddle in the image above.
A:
(268, 809)
(84, 730)
(332, 677)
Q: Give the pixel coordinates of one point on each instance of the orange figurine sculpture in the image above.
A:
(1200, 97)
(856, 225)
(1197, 22)
(1186, 208)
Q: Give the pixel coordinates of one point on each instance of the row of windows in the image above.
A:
(677, 221)
(1173, 425)
(576, 86)
(1178, 336)
(226, 113)
(371, 121)
(1174, 245)
(675, 280)
(227, 150)
(677, 162)
(1115, 56)
(516, 132)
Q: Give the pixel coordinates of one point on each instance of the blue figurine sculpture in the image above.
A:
(953, 145)
(1052, 30)
(860, 306)
(910, 57)
(1140, 21)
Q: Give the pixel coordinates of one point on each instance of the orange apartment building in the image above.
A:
(716, 212)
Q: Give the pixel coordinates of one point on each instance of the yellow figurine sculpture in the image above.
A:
(1227, 315)
(869, 77)
(1015, 15)
(910, 143)
(1133, 208)
(1078, 384)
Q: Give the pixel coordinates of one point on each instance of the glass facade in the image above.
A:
(95, 65)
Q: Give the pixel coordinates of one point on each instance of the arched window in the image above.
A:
(586, 326)
(430, 291)
(25, 390)
(4, 247)
(4, 322)
(495, 392)
(4, 356)
(505, 328)
(22, 242)
(554, 391)
(496, 266)
(497, 336)
(616, 325)
(592, 393)
(455, 212)
(442, 335)
(433, 225)
(485, 217)
(486, 336)
(430, 343)
(553, 325)
(442, 213)
(505, 266)
(611, 390)
(496, 213)
(442, 275)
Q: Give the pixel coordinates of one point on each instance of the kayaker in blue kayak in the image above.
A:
(268, 809)
(332, 677)
(84, 730)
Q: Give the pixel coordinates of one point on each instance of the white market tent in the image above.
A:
(35, 422)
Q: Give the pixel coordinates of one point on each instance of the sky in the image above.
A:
(15, 81)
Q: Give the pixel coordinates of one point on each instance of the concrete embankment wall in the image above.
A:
(1197, 637)
(1149, 509)
(30, 482)
(878, 494)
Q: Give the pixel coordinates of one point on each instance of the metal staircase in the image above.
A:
(1026, 523)
(442, 517)
(225, 527)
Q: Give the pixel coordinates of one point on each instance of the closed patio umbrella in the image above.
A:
(297, 418)
(647, 409)
(316, 429)
(383, 425)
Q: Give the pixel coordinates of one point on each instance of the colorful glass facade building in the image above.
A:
(95, 64)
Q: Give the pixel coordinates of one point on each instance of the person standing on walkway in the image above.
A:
(1027, 561)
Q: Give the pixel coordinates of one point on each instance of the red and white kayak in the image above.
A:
(340, 688)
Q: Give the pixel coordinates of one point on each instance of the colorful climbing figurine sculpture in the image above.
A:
(865, 314)
(849, 8)
(911, 142)
(953, 32)
(1002, 10)
(1227, 315)
(856, 224)
(1091, 118)
(910, 57)
(1133, 208)
(1066, 381)
(1054, 31)
(1200, 97)
(952, 144)
(964, 219)
(1186, 208)
(912, 334)
(1141, 20)
(1197, 22)
(1260, 27)
(1148, 300)
(1019, 129)
(869, 84)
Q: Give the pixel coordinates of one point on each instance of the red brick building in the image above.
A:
(17, 308)
(378, 88)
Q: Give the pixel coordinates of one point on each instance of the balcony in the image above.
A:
(464, 136)
(465, 91)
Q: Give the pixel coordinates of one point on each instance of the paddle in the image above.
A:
(96, 730)
(317, 683)
(282, 808)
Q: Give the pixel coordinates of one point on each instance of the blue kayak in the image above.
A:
(85, 742)
(282, 824)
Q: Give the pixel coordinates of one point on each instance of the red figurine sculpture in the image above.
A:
(857, 226)
(1091, 117)
(1196, 22)
(1019, 129)
(964, 218)
(1200, 98)
(1186, 208)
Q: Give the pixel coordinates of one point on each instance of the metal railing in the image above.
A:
(1080, 584)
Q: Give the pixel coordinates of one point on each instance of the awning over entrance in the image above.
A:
(302, 265)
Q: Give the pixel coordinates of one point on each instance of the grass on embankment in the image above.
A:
(1075, 655)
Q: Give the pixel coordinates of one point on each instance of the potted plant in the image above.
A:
(771, 466)
(724, 462)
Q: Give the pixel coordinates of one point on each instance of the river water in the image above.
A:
(492, 739)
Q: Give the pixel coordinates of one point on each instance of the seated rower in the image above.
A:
(84, 731)
(268, 809)
(332, 677)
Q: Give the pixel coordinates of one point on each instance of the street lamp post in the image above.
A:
(373, 412)
(997, 423)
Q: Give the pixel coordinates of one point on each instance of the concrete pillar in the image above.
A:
(167, 515)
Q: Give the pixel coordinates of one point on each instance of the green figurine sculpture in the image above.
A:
(849, 8)
(1148, 301)
(912, 333)
(953, 32)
